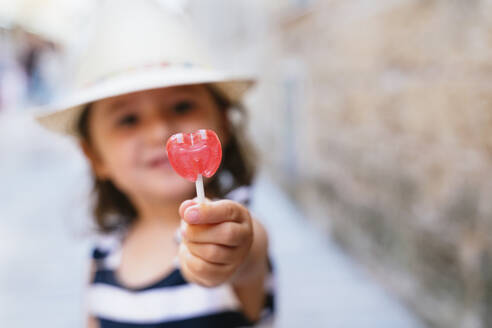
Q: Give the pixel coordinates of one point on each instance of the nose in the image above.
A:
(157, 128)
(157, 132)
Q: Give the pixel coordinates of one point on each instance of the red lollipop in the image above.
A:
(193, 155)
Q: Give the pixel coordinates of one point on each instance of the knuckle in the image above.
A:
(200, 267)
(186, 233)
(229, 209)
(231, 234)
(214, 253)
(207, 275)
(191, 233)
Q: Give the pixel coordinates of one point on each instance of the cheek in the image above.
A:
(120, 156)
(123, 170)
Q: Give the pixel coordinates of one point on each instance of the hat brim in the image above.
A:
(63, 116)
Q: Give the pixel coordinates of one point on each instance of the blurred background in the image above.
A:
(372, 120)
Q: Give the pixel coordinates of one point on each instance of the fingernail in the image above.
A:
(192, 215)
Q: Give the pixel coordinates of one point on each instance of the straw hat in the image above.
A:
(138, 45)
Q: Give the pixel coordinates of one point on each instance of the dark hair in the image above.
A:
(114, 210)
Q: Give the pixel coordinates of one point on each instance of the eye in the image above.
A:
(128, 120)
(183, 107)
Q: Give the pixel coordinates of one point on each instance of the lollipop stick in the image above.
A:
(200, 193)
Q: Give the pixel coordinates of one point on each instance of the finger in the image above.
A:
(215, 212)
(187, 203)
(226, 234)
(184, 205)
(184, 257)
(203, 272)
(215, 254)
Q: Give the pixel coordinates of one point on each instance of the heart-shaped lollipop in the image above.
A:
(193, 155)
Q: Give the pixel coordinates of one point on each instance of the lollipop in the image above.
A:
(194, 155)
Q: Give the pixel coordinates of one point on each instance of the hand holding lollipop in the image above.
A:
(218, 238)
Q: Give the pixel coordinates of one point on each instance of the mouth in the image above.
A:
(159, 162)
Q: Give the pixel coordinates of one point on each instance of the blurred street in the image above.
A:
(371, 121)
(44, 246)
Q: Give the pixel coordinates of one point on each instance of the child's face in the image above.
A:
(129, 133)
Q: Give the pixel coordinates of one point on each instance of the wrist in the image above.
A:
(255, 264)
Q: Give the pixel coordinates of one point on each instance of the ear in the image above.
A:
(95, 160)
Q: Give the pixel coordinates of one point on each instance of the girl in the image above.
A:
(134, 92)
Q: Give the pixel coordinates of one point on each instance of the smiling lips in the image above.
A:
(159, 162)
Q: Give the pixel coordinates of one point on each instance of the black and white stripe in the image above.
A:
(159, 305)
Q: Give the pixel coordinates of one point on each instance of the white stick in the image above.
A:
(200, 193)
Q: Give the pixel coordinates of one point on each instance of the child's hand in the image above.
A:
(216, 240)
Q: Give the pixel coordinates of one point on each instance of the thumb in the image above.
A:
(184, 205)
(189, 202)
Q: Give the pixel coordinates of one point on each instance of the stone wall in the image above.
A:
(378, 117)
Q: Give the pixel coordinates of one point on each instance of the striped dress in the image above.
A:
(170, 302)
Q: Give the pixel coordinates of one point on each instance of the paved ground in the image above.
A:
(318, 285)
(44, 246)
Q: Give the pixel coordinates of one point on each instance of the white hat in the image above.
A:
(138, 45)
